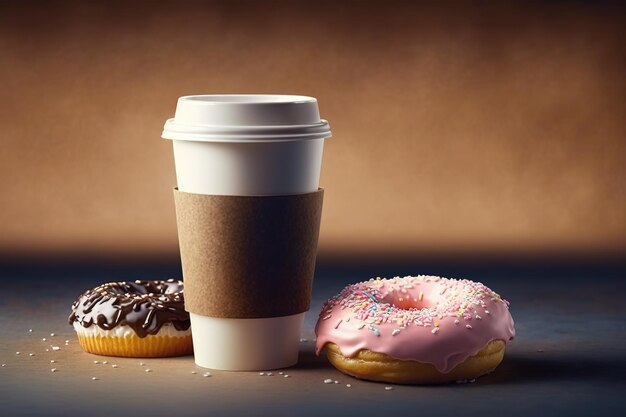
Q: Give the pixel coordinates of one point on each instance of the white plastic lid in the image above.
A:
(246, 118)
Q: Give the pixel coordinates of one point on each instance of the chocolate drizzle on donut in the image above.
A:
(145, 306)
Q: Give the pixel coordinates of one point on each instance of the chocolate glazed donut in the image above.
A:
(142, 305)
(102, 316)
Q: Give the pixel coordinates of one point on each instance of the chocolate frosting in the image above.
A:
(144, 306)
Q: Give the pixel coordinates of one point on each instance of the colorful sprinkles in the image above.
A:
(379, 301)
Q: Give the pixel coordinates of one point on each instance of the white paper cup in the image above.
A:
(265, 168)
(247, 145)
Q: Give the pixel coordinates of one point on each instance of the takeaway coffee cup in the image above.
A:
(244, 164)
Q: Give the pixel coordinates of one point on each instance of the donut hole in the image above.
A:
(407, 302)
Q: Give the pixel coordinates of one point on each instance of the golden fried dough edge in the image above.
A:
(376, 366)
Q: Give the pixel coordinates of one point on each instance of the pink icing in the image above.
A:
(425, 319)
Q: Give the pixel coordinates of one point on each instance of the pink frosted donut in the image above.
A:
(433, 324)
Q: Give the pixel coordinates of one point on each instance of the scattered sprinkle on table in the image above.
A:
(206, 374)
(328, 381)
(4, 364)
(148, 370)
(114, 366)
(96, 362)
(31, 354)
(30, 330)
(285, 376)
(52, 361)
(388, 388)
(53, 370)
(17, 353)
(261, 373)
(336, 382)
(348, 385)
(105, 362)
(141, 364)
(52, 334)
(303, 340)
(466, 381)
(269, 374)
(43, 339)
(194, 372)
(280, 373)
(56, 348)
(94, 378)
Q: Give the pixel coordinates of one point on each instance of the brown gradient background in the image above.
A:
(497, 128)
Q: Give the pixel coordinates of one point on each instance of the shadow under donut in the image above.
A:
(522, 369)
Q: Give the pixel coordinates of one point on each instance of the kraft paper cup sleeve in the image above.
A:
(248, 256)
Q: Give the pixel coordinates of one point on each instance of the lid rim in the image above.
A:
(242, 138)
(214, 127)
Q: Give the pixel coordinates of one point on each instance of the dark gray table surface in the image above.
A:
(568, 357)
